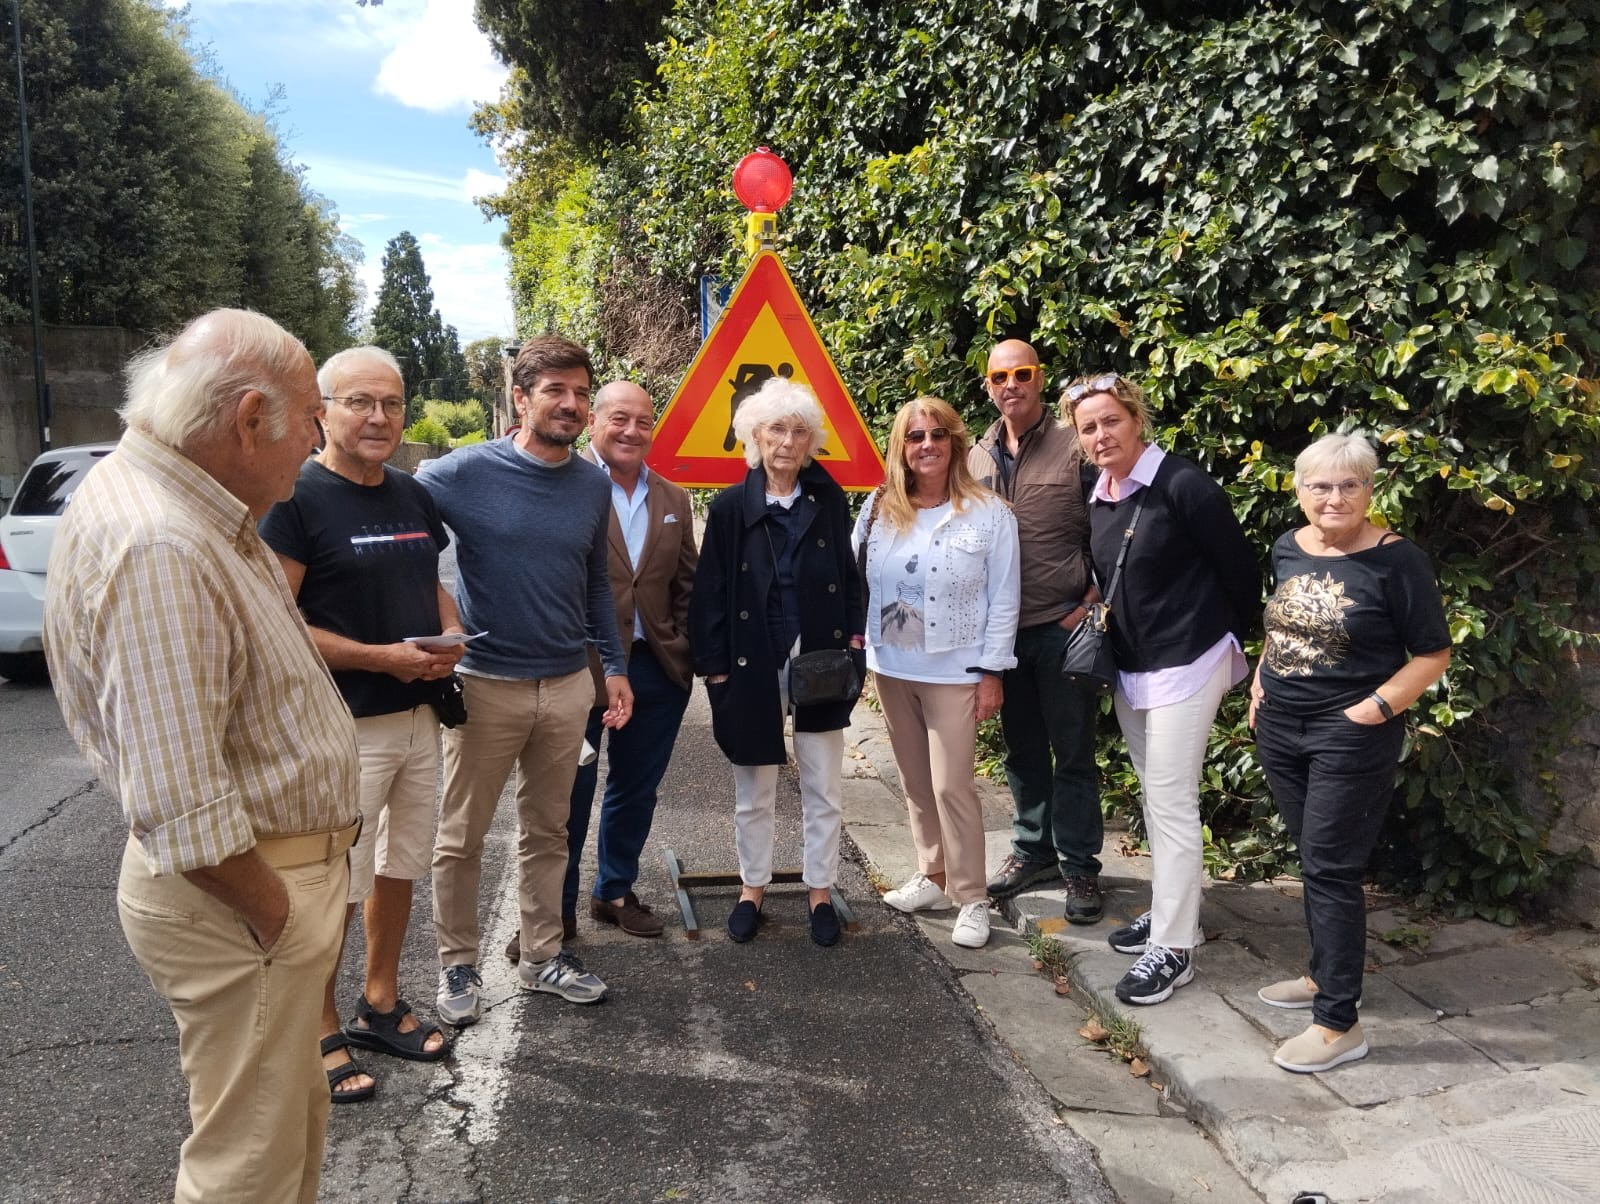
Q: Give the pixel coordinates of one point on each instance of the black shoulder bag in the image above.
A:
(1087, 658)
(825, 676)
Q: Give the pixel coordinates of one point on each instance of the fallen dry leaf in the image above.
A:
(1063, 987)
(1201, 1182)
(1137, 1068)
(1094, 1031)
(1037, 964)
(750, 985)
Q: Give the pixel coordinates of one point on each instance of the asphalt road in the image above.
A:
(774, 1071)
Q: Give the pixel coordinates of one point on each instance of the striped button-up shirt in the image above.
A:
(183, 667)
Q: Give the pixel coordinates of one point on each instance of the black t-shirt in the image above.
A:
(372, 570)
(1339, 626)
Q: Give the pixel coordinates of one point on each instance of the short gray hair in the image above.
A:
(778, 398)
(340, 362)
(181, 391)
(1334, 454)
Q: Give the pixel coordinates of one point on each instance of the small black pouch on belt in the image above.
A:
(449, 701)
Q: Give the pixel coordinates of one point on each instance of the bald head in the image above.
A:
(1017, 399)
(622, 428)
(186, 391)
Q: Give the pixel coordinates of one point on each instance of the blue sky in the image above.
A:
(375, 106)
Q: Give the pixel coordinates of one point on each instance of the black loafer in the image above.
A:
(824, 924)
(744, 920)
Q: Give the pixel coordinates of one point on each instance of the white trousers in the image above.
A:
(1167, 745)
(820, 756)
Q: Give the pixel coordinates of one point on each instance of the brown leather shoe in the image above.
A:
(632, 916)
(569, 932)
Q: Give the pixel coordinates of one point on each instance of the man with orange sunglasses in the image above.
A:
(1033, 461)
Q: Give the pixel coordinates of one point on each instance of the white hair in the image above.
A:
(182, 391)
(778, 398)
(1336, 454)
(334, 367)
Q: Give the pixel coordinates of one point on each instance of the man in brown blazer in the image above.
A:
(652, 558)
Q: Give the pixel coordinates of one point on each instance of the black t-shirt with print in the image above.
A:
(1339, 626)
(372, 570)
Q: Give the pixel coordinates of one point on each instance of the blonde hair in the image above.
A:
(1128, 394)
(897, 507)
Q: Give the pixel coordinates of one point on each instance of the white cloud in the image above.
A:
(346, 177)
(441, 60)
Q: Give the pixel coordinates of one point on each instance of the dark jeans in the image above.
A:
(1049, 730)
(637, 755)
(1333, 780)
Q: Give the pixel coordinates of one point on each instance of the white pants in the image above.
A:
(820, 756)
(1167, 745)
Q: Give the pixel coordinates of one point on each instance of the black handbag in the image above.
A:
(823, 677)
(1087, 658)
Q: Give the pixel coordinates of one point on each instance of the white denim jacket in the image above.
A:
(980, 580)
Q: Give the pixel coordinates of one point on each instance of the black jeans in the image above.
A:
(1333, 780)
(1048, 723)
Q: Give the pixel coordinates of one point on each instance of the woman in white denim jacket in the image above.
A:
(943, 575)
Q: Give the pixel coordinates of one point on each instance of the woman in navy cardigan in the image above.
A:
(1189, 592)
(777, 578)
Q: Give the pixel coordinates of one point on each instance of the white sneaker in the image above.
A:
(918, 894)
(972, 925)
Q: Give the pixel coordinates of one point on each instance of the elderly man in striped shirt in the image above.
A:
(187, 676)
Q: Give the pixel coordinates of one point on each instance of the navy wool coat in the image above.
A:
(728, 611)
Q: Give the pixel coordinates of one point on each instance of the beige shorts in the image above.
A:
(399, 787)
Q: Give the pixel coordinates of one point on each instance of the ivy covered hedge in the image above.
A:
(1286, 218)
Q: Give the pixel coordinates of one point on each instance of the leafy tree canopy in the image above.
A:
(156, 193)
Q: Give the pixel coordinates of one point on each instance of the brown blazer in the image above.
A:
(659, 586)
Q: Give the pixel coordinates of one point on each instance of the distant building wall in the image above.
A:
(83, 368)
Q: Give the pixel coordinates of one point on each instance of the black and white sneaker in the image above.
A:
(1131, 938)
(1158, 972)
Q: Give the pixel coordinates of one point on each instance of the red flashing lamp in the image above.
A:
(762, 182)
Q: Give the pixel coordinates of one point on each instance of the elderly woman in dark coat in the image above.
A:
(776, 579)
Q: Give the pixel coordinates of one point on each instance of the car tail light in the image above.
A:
(4, 563)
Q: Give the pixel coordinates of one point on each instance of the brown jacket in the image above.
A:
(1046, 494)
(659, 586)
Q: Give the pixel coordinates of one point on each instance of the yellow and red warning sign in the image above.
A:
(764, 332)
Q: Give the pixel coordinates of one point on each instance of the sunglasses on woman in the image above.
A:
(937, 433)
(1000, 377)
(1100, 384)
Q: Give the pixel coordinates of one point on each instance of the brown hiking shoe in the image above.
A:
(1084, 904)
(632, 916)
(569, 932)
(1016, 874)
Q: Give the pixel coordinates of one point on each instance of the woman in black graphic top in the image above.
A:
(1355, 635)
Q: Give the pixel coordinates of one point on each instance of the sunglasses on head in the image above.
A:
(1099, 384)
(937, 433)
(1001, 377)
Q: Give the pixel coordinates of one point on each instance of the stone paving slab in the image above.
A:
(1523, 1036)
(1157, 1160)
(1485, 978)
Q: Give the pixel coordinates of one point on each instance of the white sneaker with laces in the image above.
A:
(920, 893)
(972, 925)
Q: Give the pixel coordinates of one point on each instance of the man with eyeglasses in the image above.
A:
(1034, 462)
(651, 557)
(359, 544)
(530, 520)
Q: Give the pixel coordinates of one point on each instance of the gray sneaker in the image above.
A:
(457, 1000)
(562, 975)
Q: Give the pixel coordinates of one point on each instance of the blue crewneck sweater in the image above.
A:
(531, 559)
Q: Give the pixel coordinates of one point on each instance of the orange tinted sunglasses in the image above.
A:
(1023, 373)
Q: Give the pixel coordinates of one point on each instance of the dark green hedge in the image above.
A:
(1287, 218)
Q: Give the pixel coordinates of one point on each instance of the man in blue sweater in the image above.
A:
(530, 522)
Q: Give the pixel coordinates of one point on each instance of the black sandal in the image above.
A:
(380, 1031)
(340, 1073)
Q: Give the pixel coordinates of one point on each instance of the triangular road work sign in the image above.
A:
(764, 332)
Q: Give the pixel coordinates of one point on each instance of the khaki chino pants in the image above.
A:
(537, 728)
(247, 1026)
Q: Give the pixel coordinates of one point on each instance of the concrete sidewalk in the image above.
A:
(1483, 1084)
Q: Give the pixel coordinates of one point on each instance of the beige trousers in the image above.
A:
(933, 731)
(537, 728)
(247, 1026)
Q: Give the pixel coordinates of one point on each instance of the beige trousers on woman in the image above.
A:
(933, 729)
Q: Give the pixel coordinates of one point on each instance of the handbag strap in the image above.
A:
(1127, 538)
(866, 536)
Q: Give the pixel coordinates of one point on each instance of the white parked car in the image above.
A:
(26, 533)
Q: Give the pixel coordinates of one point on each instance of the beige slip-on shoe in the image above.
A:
(1310, 1052)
